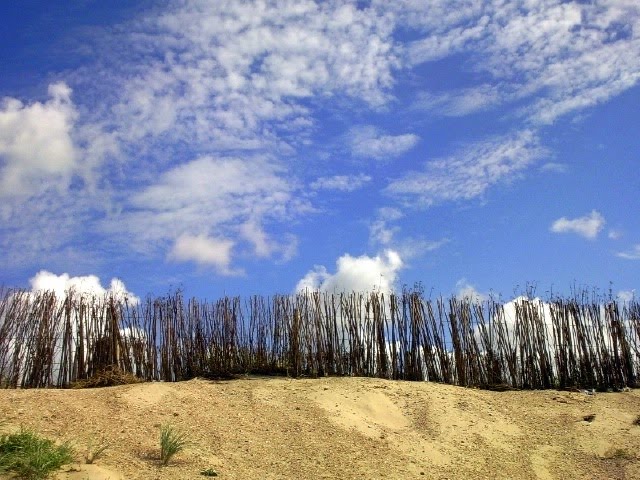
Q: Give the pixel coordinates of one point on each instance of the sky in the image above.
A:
(265, 147)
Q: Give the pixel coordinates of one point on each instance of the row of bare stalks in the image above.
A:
(580, 342)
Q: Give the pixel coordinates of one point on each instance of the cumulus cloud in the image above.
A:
(588, 226)
(370, 142)
(343, 183)
(355, 274)
(36, 144)
(632, 254)
(45, 281)
(471, 171)
(465, 290)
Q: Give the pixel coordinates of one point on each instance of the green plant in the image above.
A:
(95, 451)
(171, 442)
(30, 456)
(209, 472)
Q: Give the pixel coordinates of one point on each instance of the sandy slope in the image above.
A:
(339, 428)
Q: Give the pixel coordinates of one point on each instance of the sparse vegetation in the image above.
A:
(95, 451)
(637, 421)
(209, 472)
(30, 456)
(171, 442)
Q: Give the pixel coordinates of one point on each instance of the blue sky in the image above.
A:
(260, 147)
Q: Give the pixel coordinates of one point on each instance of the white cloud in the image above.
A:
(578, 54)
(383, 234)
(380, 232)
(45, 281)
(626, 295)
(587, 226)
(389, 214)
(355, 274)
(369, 142)
(552, 167)
(255, 234)
(215, 78)
(344, 183)
(209, 205)
(264, 246)
(234, 75)
(464, 290)
(203, 250)
(36, 145)
(459, 103)
(443, 43)
(411, 247)
(632, 254)
(470, 172)
(615, 234)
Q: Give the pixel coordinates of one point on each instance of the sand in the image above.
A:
(337, 428)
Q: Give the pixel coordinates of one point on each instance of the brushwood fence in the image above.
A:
(582, 342)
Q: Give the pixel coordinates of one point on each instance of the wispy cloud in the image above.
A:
(212, 203)
(632, 254)
(470, 172)
(344, 183)
(203, 250)
(370, 142)
(234, 75)
(459, 103)
(383, 233)
(588, 226)
(553, 167)
(579, 54)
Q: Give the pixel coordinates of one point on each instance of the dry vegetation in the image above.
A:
(347, 428)
(582, 342)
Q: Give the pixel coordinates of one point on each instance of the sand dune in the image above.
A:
(339, 428)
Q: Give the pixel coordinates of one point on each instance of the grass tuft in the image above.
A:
(171, 442)
(30, 456)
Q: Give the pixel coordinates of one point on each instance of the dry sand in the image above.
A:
(338, 428)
